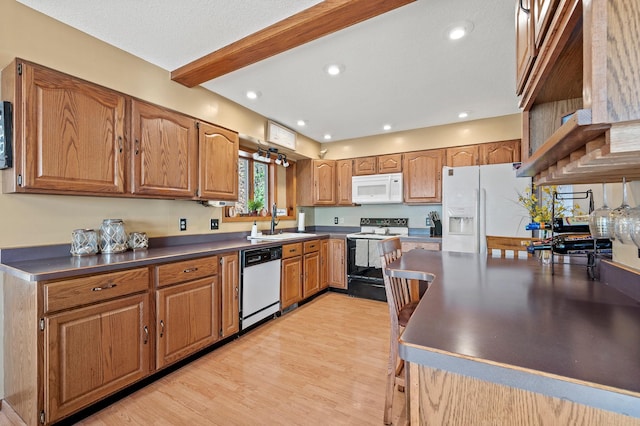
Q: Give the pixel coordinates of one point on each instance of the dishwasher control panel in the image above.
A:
(257, 256)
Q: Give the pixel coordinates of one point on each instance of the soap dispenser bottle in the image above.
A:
(254, 230)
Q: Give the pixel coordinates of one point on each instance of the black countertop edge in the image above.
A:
(590, 395)
(55, 262)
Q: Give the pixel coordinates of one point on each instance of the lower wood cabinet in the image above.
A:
(291, 281)
(230, 289)
(324, 264)
(311, 268)
(188, 319)
(336, 263)
(92, 352)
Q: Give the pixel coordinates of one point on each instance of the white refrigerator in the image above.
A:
(481, 200)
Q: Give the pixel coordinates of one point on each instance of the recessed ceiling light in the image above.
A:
(463, 114)
(327, 136)
(302, 123)
(459, 30)
(334, 69)
(386, 127)
(253, 94)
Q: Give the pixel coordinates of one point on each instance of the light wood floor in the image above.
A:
(323, 363)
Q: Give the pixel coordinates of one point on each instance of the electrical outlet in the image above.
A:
(183, 224)
(341, 220)
(335, 220)
(214, 224)
(427, 222)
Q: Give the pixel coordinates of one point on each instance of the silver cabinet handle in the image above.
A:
(146, 334)
(186, 271)
(104, 287)
(161, 328)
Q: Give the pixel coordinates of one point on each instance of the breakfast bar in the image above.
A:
(503, 341)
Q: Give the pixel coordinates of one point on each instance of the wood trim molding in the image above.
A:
(317, 21)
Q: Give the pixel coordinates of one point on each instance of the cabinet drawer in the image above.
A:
(186, 270)
(82, 291)
(311, 246)
(290, 250)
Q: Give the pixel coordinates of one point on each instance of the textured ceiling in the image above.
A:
(400, 69)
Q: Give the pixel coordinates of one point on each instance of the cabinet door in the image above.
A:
(500, 152)
(324, 264)
(422, 171)
(94, 351)
(344, 172)
(73, 134)
(462, 156)
(311, 267)
(291, 281)
(187, 319)
(230, 277)
(525, 43)
(365, 166)
(218, 168)
(390, 163)
(324, 182)
(542, 11)
(164, 152)
(337, 267)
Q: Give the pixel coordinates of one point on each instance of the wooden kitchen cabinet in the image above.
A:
(541, 14)
(365, 166)
(92, 352)
(422, 171)
(337, 264)
(218, 163)
(390, 163)
(230, 288)
(69, 134)
(311, 268)
(187, 308)
(291, 276)
(459, 156)
(425, 245)
(525, 43)
(500, 152)
(165, 152)
(324, 264)
(316, 182)
(344, 170)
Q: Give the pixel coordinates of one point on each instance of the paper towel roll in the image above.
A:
(301, 221)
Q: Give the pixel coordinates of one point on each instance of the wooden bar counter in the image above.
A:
(502, 341)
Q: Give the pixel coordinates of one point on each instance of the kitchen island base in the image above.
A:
(439, 397)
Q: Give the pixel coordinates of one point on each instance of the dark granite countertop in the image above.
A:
(510, 321)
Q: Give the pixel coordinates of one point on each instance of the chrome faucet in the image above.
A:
(274, 222)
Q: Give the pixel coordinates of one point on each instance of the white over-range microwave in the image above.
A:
(377, 189)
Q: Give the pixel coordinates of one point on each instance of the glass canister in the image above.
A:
(84, 242)
(138, 241)
(113, 238)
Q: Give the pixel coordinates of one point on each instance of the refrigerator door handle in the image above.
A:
(476, 241)
(483, 221)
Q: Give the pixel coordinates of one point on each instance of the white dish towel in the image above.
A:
(374, 256)
(362, 252)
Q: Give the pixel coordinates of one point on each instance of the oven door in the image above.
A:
(364, 274)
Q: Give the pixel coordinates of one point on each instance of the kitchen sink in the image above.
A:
(283, 236)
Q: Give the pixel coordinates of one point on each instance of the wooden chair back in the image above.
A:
(505, 244)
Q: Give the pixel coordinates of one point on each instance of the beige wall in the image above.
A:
(464, 133)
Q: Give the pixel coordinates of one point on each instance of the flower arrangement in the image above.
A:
(540, 207)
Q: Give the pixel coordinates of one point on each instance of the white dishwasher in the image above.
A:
(260, 290)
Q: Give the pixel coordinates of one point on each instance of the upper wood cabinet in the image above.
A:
(422, 171)
(390, 163)
(345, 172)
(462, 156)
(525, 43)
(218, 163)
(581, 118)
(69, 134)
(316, 182)
(500, 152)
(365, 166)
(165, 152)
